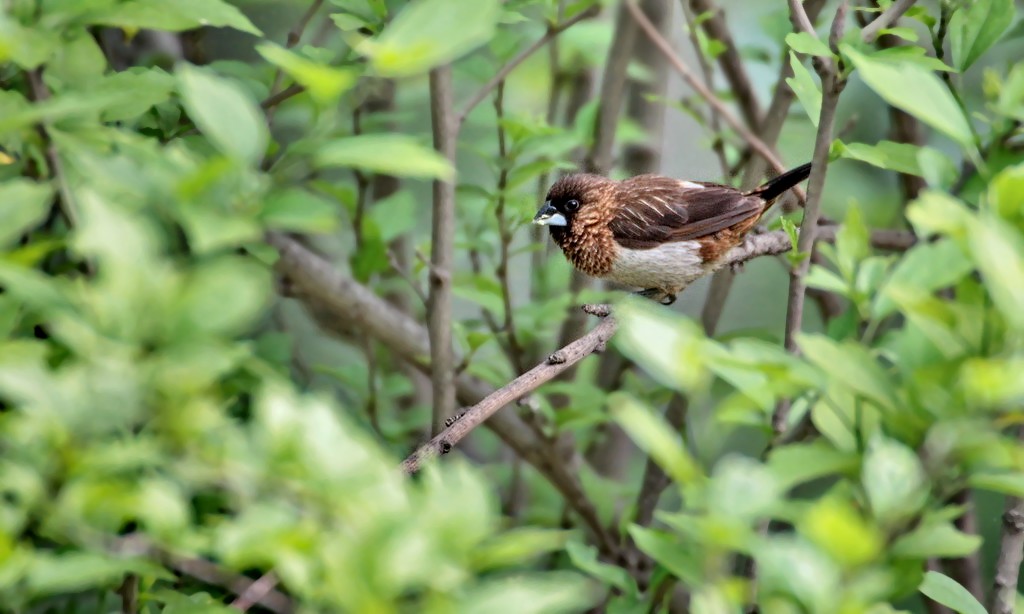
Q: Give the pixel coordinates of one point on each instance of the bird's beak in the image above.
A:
(549, 216)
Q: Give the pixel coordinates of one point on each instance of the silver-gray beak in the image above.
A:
(549, 216)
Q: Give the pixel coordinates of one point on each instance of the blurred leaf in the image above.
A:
(585, 559)
(324, 83)
(835, 527)
(792, 566)
(531, 593)
(936, 540)
(946, 591)
(894, 480)
(299, 210)
(805, 88)
(999, 252)
(224, 295)
(852, 242)
(25, 204)
(977, 26)
(798, 463)
(851, 365)
(653, 435)
(173, 16)
(742, 488)
(390, 154)
(423, 35)
(139, 89)
(925, 268)
(224, 112)
(74, 571)
(396, 215)
(518, 546)
(668, 346)
(1006, 483)
(915, 90)
(26, 46)
(677, 557)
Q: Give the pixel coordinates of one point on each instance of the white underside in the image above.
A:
(670, 267)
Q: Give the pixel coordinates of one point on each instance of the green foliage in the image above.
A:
(163, 401)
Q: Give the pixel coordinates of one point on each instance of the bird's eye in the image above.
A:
(572, 205)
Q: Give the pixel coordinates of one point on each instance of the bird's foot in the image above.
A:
(657, 294)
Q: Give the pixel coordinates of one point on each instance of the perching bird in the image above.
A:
(654, 232)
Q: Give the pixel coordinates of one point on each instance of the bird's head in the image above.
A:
(570, 198)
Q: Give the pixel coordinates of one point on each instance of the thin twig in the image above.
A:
(512, 64)
(886, 19)
(516, 352)
(473, 417)
(442, 252)
(255, 592)
(714, 117)
(67, 201)
(666, 48)
(294, 36)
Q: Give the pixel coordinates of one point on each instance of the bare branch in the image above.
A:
(730, 61)
(442, 252)
(886, 19)
(1011, 553)
(505, 70)
(666, 48)
(599, 158)
(594, 341)
(256, 592)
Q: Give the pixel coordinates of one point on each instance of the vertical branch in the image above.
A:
(832, 84)
(442, 253)
(599, 158)
(1011, 553)
(515, 349)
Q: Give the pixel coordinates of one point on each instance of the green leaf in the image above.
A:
(977, 26)
(424, 35)
(894, 480)
(324, 83)
(224, 112)
(681, 561)
(26, 47)
(395, 215)
(949, 593)
(585, 559)
(807, 43)
(299, 210)
(670, 347)
(917, 91)
(654, 436)
(851, 365)
(840, 530)
(852, 242)
(994, 382)
(1008, 483)
(999, 252)
(936, 539)
(173, 16)
(391, 154)
(135, 90)
(518, 545)
(742, 488)
(24, 204)
(74, 571)
(799, 463)
(890, 155)
(805, 88)
(927, 267)
(533, 593)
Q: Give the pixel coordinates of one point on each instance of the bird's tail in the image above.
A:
(774, 188)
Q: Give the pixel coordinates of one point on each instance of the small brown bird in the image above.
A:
(654, 232)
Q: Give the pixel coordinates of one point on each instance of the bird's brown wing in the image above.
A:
(654, 210)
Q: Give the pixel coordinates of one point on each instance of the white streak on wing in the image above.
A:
(691, 185)
(649, 205)
(658, 198)
(671, 266)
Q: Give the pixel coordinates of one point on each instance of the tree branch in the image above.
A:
(442, 252)
(730, 61)
(1011, 553)
(464, 423)
(666, 48)
(886, 19)
(512, 64)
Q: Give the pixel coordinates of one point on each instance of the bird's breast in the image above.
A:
(668, 266)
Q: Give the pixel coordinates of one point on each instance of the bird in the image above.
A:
(654, 232)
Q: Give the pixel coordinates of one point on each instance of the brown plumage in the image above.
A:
(654, 232)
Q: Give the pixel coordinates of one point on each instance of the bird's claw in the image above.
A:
(657, 294)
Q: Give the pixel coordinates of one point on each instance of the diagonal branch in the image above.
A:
(886, 19)
(514, 63)
(666, 48)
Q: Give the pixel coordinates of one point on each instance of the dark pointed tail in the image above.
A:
(772, 189)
